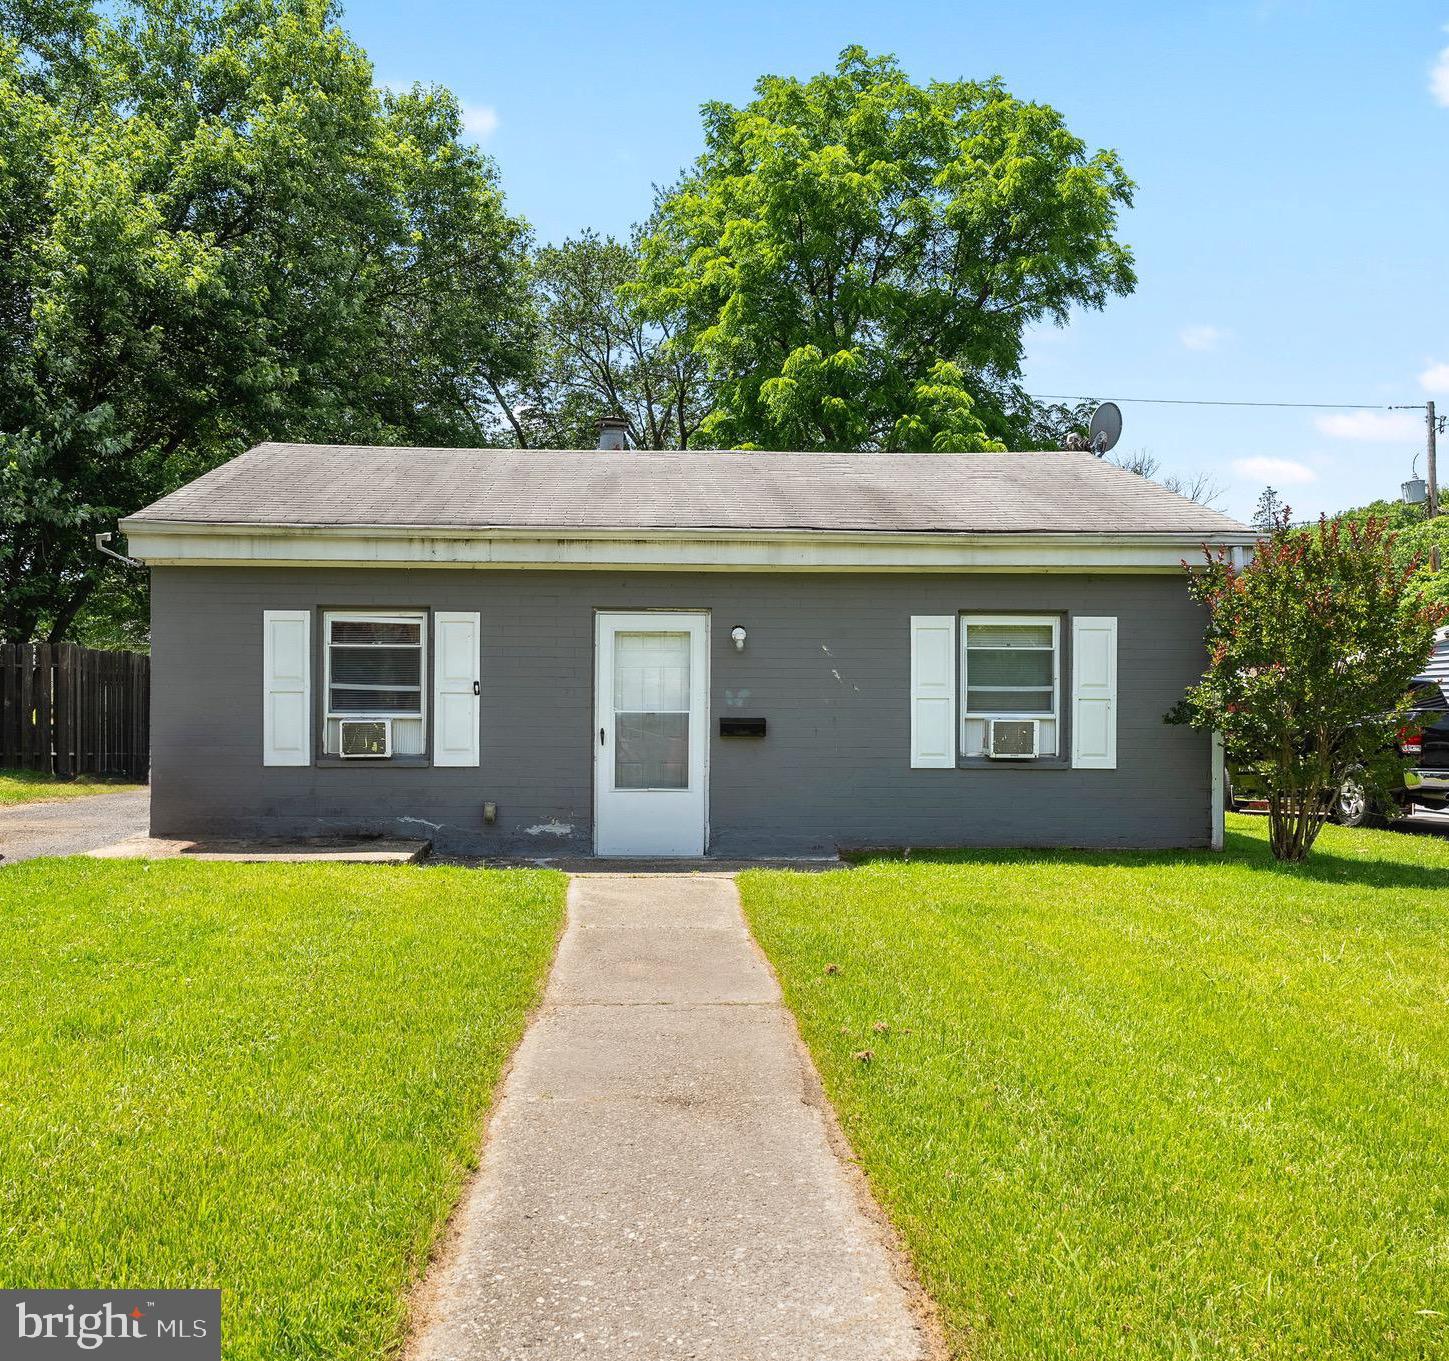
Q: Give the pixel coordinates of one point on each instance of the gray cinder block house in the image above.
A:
(628, 653)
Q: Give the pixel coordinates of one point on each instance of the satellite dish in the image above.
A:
(1105, 429)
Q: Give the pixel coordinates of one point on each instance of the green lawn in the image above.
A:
(268, 1078)
(34, 786)
(1145, 1105)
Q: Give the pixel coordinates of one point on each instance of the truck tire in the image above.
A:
(1351, 807)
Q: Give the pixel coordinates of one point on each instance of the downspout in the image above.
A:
(1219, 810)
(103, 539)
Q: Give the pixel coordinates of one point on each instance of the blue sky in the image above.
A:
(1292, 219)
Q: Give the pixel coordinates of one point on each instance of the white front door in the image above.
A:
(651, 733)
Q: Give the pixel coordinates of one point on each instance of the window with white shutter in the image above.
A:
(1009, 670)
(374, 673)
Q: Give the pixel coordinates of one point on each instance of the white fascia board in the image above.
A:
(161, 544)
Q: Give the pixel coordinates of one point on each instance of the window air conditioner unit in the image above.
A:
(1011, 739)
(365, 736)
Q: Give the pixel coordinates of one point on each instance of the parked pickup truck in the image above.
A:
(1422, 742)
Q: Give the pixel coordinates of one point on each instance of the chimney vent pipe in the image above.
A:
(613, 433)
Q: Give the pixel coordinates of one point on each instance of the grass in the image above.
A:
(36, 786)
(1145, 1105)
(267, 1078)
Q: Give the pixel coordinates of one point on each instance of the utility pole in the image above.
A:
(1433, 424)
(1431, 501)
(1433, 468)
(1433, 477)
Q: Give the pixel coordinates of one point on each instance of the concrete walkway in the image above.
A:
(658, 1180)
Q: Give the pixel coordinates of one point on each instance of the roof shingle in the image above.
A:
(362, 486)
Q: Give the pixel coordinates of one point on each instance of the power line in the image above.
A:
(1203, 401)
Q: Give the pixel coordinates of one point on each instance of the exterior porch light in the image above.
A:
(738, 636)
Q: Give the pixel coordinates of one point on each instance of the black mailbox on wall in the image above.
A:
(742, 727)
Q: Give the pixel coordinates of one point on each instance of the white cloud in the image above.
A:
(481, 120)
(1374, 427)
(1439, 77)
(1435, 378)
(1281, 472)
(1202, 337)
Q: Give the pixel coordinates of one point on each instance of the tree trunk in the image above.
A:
(507, 410)
(68, 611)
(1297, 812)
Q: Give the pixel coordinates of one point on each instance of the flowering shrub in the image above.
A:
(1311, 648)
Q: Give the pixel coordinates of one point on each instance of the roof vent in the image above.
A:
(613, 433)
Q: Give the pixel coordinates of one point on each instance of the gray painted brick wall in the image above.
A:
(827, 664)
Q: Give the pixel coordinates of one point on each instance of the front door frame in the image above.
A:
(697, 622)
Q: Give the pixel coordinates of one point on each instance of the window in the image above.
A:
(651, 710)
(375, 670)
(1010, 668)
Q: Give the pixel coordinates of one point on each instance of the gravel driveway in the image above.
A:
(72, 826)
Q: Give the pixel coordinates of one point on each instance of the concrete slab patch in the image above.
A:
(140, 847)
(367, 851)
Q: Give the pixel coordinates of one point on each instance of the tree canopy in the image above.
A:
(214, 229)
(856, 256)
(1416, 537)
(600, 355)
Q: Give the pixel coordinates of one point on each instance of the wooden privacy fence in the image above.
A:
(75, 710)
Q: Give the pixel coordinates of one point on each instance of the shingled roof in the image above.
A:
(367, 486)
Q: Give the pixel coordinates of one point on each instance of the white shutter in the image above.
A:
(286, 687)
(1094, 693)
(456, 675)
(933, 690)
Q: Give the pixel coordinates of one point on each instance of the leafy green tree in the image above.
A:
(600, 355)
(1416, 539)
(214, 230)
(1048, 425)
(1311, 649)
(1426, 543)
(857, 256)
